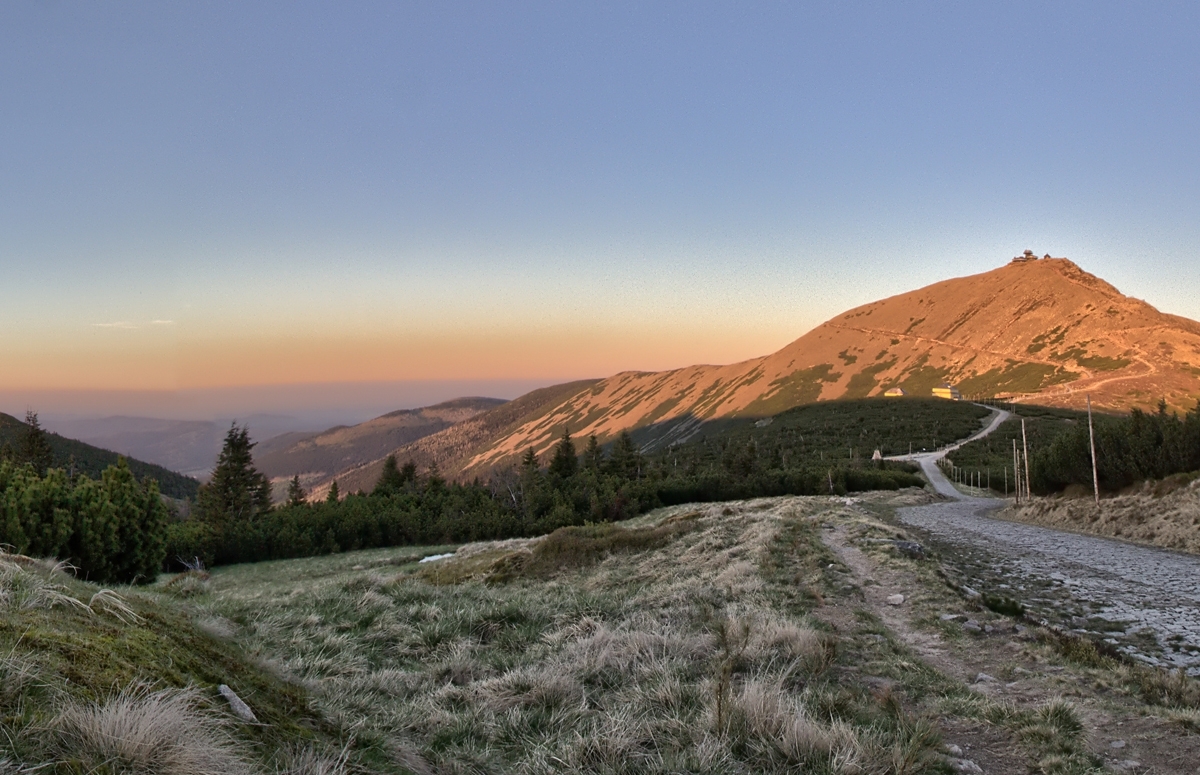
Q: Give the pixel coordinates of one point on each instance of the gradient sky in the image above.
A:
(206, 196)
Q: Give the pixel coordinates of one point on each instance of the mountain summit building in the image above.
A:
(947, 391)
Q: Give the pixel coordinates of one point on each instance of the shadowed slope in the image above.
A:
(317, 456)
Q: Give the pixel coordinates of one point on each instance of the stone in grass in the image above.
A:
(239, 708)
(971, 625)
(910, 549)
(965, 766)
(954, 750)
(984, 678)
(1117, 744)
(1129, 764)
(895, 600)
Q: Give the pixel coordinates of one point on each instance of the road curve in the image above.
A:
(1142, 600)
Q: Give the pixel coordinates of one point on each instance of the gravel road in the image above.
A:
(1143, 601)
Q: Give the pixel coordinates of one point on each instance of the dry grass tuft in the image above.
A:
(772, 716)
(190, 583)
(113, 604)
(152, 732)
(19, 675)
(1172, 689)
(305, 760)
(28, 584)
(791, 642)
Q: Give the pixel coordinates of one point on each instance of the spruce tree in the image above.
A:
(593, 455)
(35, 446)
(332, 496)
(296, 494)
(564, 464)
(391, 480)
(626, 458)
(237, 491)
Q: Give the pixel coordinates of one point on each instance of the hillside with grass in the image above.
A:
(77, 457)
(1041, 331)
(96, 680)
(750, 636)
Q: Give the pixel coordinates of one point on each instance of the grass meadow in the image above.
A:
(678, 642)
(722, 638)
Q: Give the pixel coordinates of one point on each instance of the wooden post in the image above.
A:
(1016, 473)
(1025, 447)
(1092, 441)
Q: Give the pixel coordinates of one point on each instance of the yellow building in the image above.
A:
(895, 393)
(947, 391)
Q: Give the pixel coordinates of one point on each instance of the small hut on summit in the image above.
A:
(947, 391)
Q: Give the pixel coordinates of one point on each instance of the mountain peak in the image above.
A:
(1034, 329)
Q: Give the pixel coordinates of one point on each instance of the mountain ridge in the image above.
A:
(1041, 329)
(316, 457)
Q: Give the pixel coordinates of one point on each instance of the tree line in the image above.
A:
(233, 520)
(1131, 449)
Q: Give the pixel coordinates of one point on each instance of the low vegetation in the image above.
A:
(94, 680)
(112, 529)
(234, 522)
(833, 433)
(680, 642)
(697, 638)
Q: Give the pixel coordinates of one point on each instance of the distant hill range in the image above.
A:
(91, 460)
(1035, 329)
(317, 457)
(188, 446)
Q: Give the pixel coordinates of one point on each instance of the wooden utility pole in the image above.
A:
(1016, 473)
(1092, 441)
(1025, 447)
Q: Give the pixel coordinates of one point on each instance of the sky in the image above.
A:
(226, 206)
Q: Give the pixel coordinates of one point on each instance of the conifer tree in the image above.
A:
(332, 496)
(593, 455)
(391, 480)
(296, 494)
(564, 463)
(35, 447)
(626, 458)
(237, 491)
(434, 480)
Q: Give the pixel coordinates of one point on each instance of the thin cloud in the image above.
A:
(162, 322)
(122, 324)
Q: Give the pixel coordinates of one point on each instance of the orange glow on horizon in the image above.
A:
(226, 361)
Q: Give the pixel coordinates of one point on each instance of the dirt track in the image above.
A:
(1142, 600)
